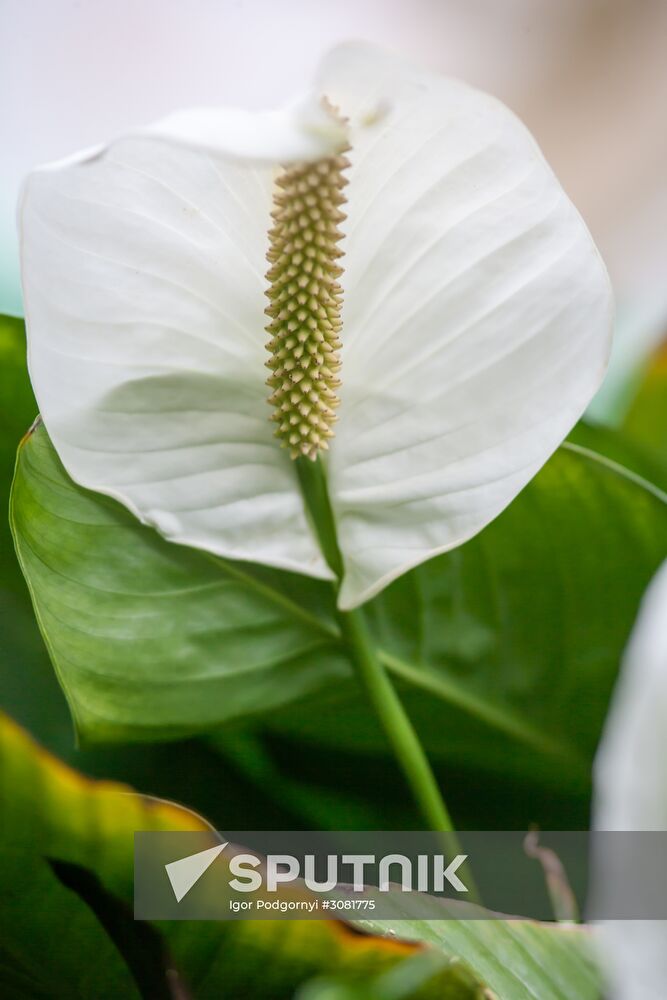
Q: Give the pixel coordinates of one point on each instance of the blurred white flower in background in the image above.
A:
(588, 77)
(631, 789)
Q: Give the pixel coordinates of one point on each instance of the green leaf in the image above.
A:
(512, 640)
(48, 810)
(516, 959)
(153, 640)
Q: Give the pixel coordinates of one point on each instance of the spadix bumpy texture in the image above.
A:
(306, 300)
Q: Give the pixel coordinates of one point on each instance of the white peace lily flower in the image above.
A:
(476, 317)
(631, 789)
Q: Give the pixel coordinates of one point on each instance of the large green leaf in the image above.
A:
(513, 639)
(51, 944)
(149, 639)
(48, 810)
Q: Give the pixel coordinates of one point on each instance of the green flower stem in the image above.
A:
(313, 482)
(373, 677)
(395, 723)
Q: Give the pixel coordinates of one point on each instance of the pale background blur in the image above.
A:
(589, 77)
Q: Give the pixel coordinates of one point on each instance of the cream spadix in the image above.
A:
(305, 307)
(474, 321)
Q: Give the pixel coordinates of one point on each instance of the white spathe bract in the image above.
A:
(631, 789)
(476, 321)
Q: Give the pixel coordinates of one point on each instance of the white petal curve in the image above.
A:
(631, 788)
(476, 318)
(143, 278)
